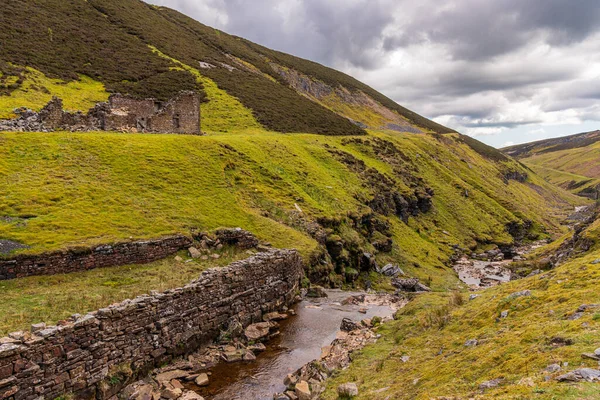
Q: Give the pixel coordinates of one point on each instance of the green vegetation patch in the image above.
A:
(538, 331)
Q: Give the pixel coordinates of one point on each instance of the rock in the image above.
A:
(291, 395)
(178, 259)
(280, 396)
(523, 293)
(405, 359)
(583, 374)
(597, 352)
(249, 356)
(257, 348)
(290, 380)
(473, 297)
(552, 368)
(316, 292)
(302, 390)
(591, 356)
(348, 325)
(142, 392)
(176, 384)
(170, 375)
(596, 261)
(233, 356)
(471, 343)
(391, 270)
(504, 314)
(258, 331)
(363, 310)
(347, 390)
(215, 256)
(274, 316)
(202, 380)
(38, 327)
(171, 394)
(194, 252)
(409, 285)
(189, 395)
(490, 384)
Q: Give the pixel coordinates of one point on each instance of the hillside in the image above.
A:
(332, 198)
(157, 52)
(570, 162)
(444, 345)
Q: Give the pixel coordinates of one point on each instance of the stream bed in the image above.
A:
(302, 336)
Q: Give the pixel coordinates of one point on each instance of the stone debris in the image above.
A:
(347, 390)
(583, 374)
(202, 380)
(352, 337)
(409, 285)
(316, 292)
(490, 384)
(522, 293)
(391, 270)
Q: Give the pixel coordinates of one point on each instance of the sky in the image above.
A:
(503, 71)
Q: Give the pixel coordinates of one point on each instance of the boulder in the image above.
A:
(189, 395)
(347, 390)
(202, 380)
(490, 384)
(316, 292)
(258, 331)
(391, 270)
(471, 343)
(409, 285)
(171, 394)
(348, 325)
(583, 374)
(302, 390)
(249, 356)
(170, 375)
(522, 293)
(274, 316)
(194, 252)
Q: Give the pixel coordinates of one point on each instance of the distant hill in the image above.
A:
(572, 162)
(84, 50)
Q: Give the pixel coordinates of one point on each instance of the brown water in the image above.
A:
(302, 336)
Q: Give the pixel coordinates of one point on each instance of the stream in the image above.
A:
(302, 336)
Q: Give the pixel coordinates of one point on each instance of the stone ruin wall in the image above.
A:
(82, 259)
(179, 115)
(78, 356)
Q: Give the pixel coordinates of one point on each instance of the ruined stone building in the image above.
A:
(121, 113)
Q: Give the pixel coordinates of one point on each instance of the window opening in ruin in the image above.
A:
(176, 121)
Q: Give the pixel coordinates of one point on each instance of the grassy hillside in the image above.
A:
(571, 162)
(156, 52)
(541, 329)
(300, 191)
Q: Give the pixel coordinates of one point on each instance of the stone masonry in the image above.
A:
(82, 354)
(82, 259)
(180, 115)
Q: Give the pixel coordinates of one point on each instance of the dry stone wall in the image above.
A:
(81, 259)
(80, 355)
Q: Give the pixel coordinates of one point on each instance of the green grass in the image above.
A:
(517, 348)
(81, 189)
(573, 169)
(52, 298)
(37, 90)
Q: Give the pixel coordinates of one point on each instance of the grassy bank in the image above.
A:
(433, 329)
(79, 189)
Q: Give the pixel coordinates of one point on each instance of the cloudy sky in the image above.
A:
(504, 71)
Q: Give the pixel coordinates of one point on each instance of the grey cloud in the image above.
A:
(474, 63)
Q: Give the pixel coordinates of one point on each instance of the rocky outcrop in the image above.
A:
(97, 354)
(409, 285)
(86, 258)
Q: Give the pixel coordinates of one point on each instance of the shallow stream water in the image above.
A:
(302, 336)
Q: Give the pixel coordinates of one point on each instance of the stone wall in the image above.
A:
(180, 114)
(82, 259)
(80, 355)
